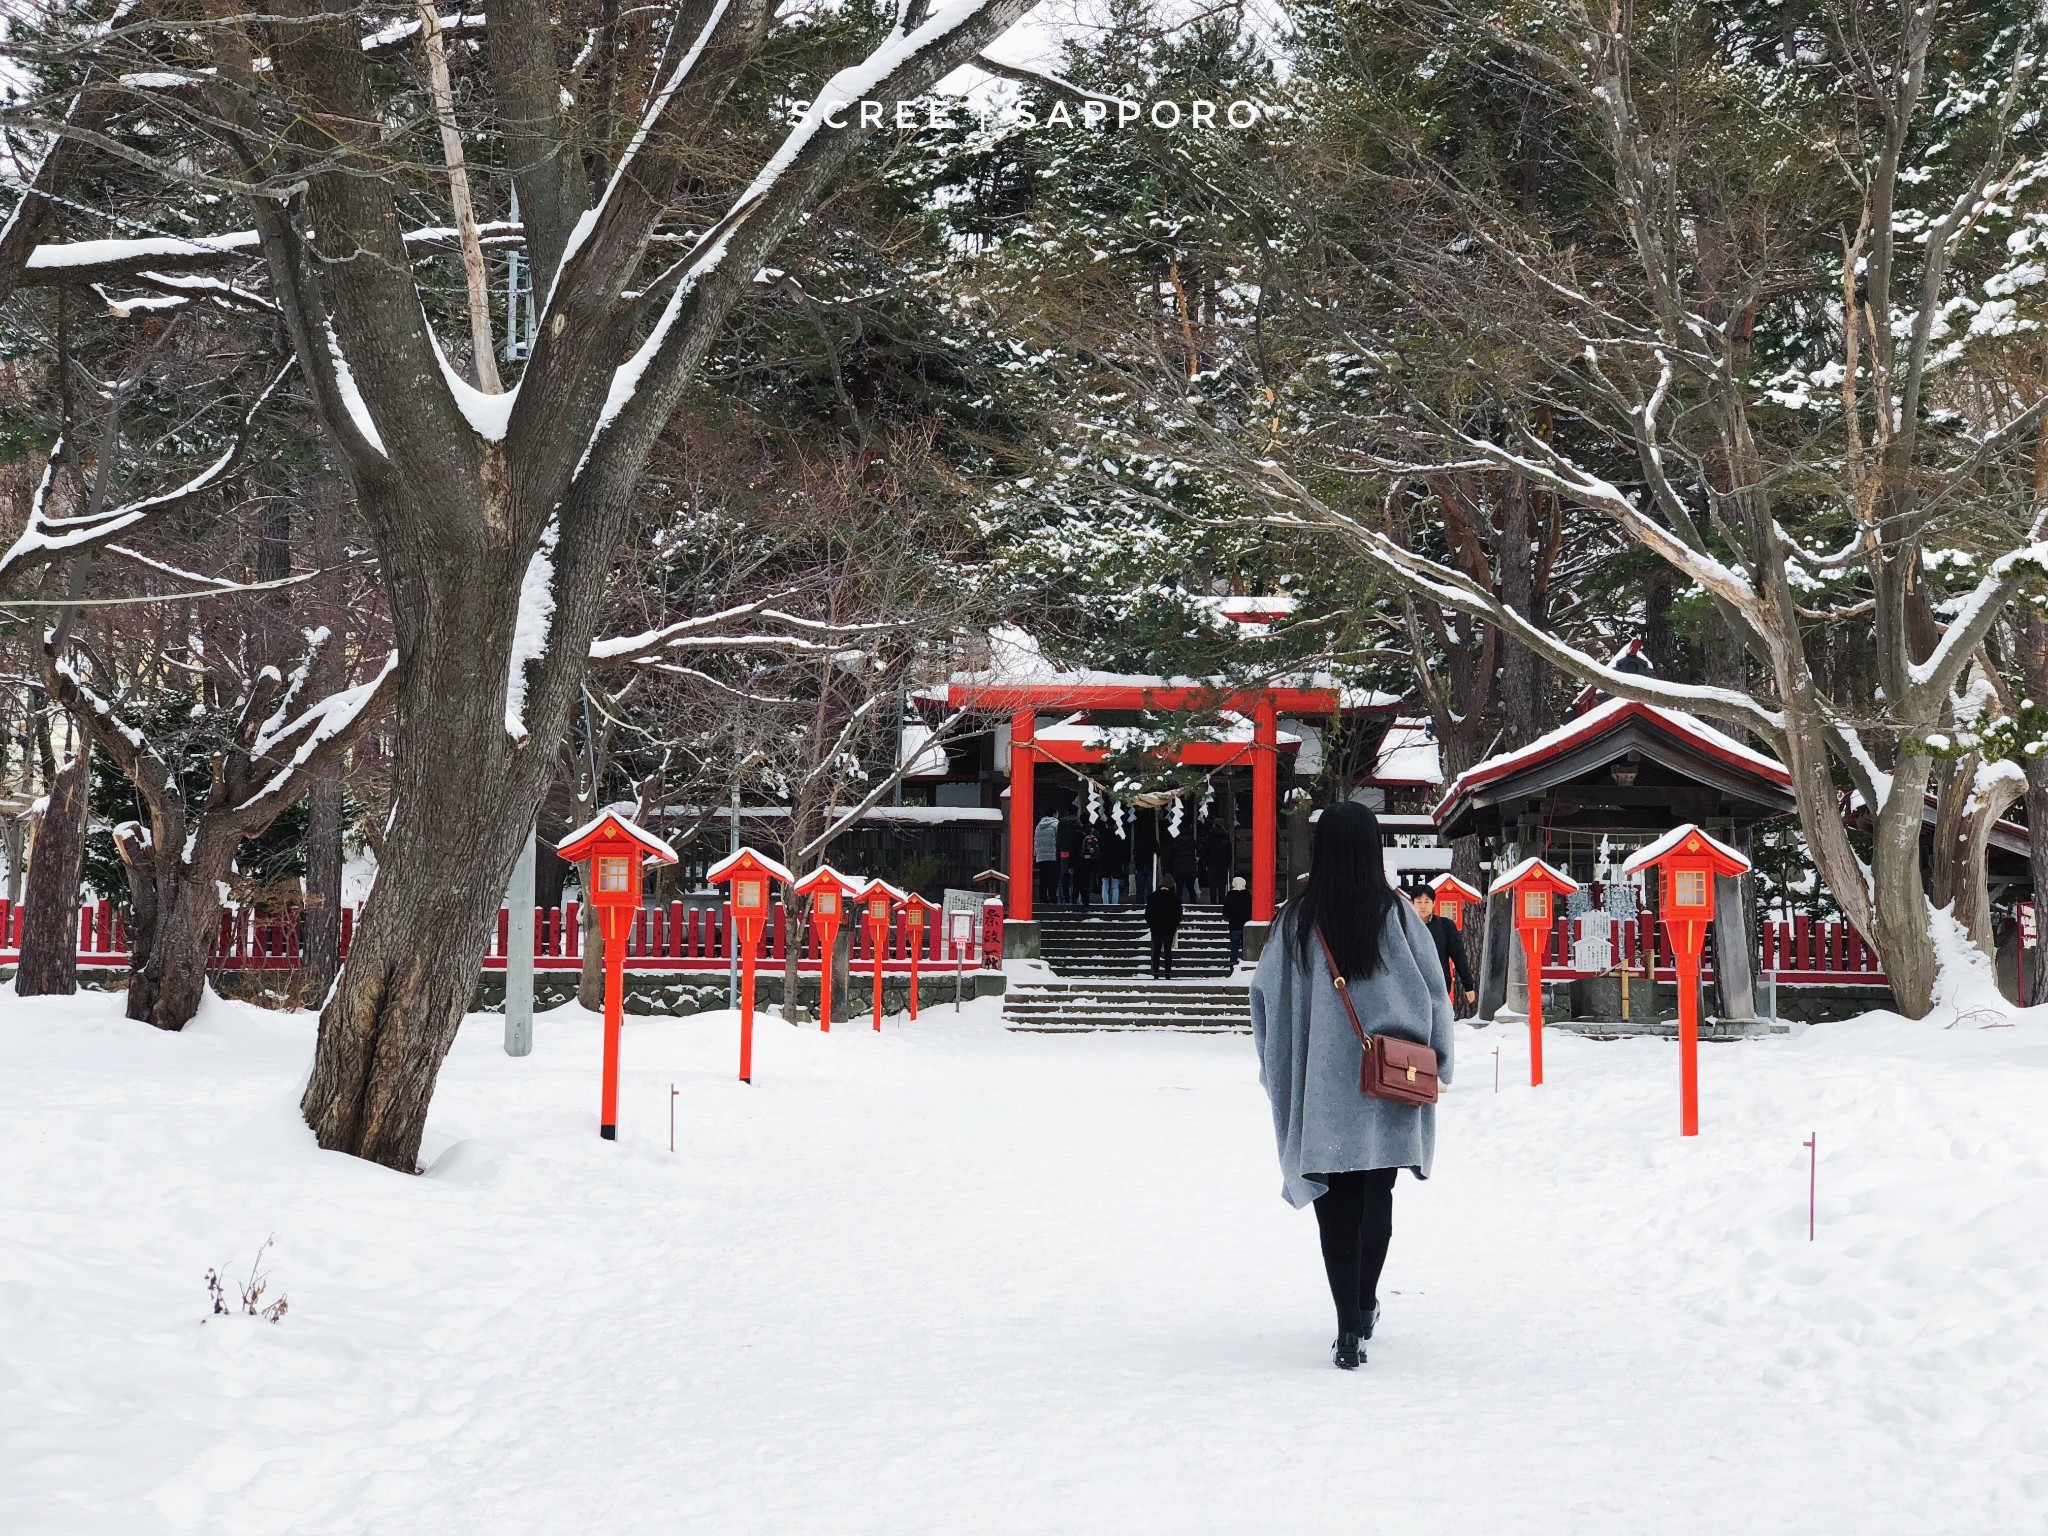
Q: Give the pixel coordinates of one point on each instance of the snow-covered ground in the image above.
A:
(948, 1279)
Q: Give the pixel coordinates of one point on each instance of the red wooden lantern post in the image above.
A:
(1533, 887)
(829, 892)
(1453, 896)
(1687, 862)
(919, 918)
(878, 899)
(616, 850)
(749, 876)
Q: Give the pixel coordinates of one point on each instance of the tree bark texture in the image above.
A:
(324, 861)
(49, 932)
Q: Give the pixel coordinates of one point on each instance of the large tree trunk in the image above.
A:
(1900, 933)
(49, 932)
(2033, 657)
(464, 795)
(171, 984)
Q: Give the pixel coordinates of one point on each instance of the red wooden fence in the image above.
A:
(671, 938)
(1801, 952)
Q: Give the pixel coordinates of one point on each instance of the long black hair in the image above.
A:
(1347, 895)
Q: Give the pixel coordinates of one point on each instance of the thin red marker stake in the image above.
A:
(1812, 1145)
(671, 1117)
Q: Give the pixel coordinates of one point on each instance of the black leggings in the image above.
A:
(1356, 1219)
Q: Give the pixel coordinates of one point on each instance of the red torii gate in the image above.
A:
(1025, 700)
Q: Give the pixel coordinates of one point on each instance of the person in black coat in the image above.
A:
(1214, 853)
(1450, 944)
(1162, 916)
(1069, 846)
(1237, 911)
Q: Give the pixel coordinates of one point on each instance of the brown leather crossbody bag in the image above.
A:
(1394, 1069)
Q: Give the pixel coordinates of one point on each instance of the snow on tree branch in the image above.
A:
(48, 538)
(1455, 590)
(324, 728)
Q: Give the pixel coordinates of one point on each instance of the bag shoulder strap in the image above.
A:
(1342, 991)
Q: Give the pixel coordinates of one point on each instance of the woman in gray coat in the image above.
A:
(1338, 1148)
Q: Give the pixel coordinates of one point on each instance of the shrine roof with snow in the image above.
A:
(1620, 766)
(1020, 675)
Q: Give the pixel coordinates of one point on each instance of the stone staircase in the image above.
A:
(1102, 956)
(1099, 942)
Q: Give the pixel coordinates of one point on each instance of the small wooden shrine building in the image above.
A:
(1586, 796)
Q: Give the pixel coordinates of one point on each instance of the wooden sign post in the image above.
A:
(960, 935)
(878, 899)
(615, 850)
(1687, 861)
(829, 892)
(1533, 888)
(748, 875)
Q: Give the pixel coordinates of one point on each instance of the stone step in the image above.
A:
(1217, 1008)
(1085, 1005)
(1191, 991)
(1112, 1026)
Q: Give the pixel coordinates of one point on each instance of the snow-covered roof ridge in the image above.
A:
(739, 856)
(1532, 863)
(1409, 754)
(1645, 856)
(655, 846)
(1016, 660)
(1603, 717)
(894, 893)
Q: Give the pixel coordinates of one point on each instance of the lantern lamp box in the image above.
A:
(616, 850)
(826, 887)
(888, 894)
(1686, 848)
(1536, 886)
(745, 861)
(1453, 896)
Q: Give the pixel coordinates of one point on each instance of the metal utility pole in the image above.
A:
(519, 955)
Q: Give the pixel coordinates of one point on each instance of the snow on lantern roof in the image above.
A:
(1672, 841)
(1529, 867)
(879, 884)
(741, 856)
(1458, 887)
(1409, 754)
(825, 875)
(619, 826)
(1601, 718)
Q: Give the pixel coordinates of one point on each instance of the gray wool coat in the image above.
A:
(1309, 1058)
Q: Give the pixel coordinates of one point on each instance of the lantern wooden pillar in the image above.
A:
(615, 850)
(748, 877)
(919, 918)
(829, 892)
(1023, 811)
(878, 901)
(1453, 896)
(1687, 862)
(1534, 888)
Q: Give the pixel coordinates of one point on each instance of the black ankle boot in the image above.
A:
(1345, 1352)
(1372, 1321)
